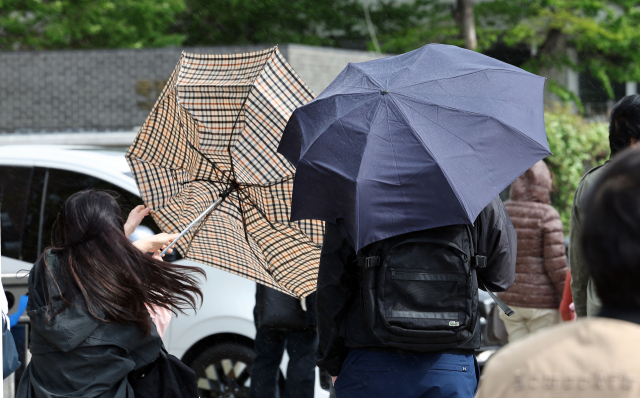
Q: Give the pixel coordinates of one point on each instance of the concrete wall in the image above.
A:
(113, 90)
(318, 66)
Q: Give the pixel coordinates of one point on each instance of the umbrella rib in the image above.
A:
(244, 227)
(201, 224)
(413, 63)
(318, 99)
(453, 188)
(289, 74)
(473, 113)
(219, 201)
(202, 180)
(280, 181)
(324, 99)
(213, 163)
(261, 212)
(244, 103)
(294, 237)
(186, 137)
(461, 96)
(243, 186)
(466, 74)
(356, 67)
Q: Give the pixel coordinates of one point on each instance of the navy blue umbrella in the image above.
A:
(415, 141)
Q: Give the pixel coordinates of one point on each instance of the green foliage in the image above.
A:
(315, 22)
(75, 24)
(604, 32)
(65, 24)
(577, 146)
(404, 26)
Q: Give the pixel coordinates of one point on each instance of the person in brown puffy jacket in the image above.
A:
(541, 264)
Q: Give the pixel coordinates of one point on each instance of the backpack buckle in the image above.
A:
(479, 262)
(369, 262)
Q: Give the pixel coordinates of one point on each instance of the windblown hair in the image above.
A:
(115, 279)
(624, 123)
(611, 232)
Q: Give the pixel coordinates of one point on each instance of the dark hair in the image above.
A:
(115, 279)
(611, 231)
(624, 123)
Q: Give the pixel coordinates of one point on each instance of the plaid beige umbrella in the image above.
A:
(212, 138)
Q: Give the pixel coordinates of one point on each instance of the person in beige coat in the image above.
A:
(595, 356)
(541, 265)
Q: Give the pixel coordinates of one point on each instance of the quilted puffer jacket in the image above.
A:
(541, 264)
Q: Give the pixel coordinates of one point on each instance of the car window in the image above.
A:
(14, 190)
(60, 184)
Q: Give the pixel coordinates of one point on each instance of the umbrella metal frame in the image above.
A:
(205, 213)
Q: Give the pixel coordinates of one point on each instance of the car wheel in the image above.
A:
(224, 371)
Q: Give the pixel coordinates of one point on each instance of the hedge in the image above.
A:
(577, 146)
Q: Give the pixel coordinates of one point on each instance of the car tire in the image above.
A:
(224, 371)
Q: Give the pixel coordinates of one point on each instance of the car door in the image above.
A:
(15, 221)
(14, 190)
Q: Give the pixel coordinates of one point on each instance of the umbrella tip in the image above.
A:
(385, 92)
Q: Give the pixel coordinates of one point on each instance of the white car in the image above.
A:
(217, 341)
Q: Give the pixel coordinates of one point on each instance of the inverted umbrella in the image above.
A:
(210, 141)
(415, 141)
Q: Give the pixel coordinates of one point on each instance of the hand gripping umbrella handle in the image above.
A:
(194, 222)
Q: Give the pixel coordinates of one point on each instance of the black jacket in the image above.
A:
(341, 322)
(274, 306)
(78, 355)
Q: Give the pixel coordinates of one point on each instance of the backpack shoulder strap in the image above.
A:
(480, 262)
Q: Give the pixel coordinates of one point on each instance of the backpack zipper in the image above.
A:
(393, 273)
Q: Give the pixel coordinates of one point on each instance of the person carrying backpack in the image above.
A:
(400, 317)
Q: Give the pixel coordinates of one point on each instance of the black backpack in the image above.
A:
(420, 290)
(166, 377)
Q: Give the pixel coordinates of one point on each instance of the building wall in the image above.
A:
(113, 90)
(318, 66)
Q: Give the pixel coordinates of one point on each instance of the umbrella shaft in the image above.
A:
(194, 222)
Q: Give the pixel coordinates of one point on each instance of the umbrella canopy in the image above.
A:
(415, 141)
(213, 133)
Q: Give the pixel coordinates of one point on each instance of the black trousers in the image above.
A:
(269, 346)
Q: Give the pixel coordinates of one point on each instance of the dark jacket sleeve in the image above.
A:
(497, 240)
(335, 293)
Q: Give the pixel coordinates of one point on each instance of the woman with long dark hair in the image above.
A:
(89, 294)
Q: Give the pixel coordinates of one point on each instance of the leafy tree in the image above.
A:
(74, 24)
(532, 34)
(405, 26)
(604, 33)
(315, 22)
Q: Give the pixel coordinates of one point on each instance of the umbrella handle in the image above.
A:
(194, 222)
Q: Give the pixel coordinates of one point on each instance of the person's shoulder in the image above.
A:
(48, 259)
(533, 346)
(585, 345)
(494, 210)
(589, 177)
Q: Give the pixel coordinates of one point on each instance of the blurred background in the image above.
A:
(86, 73)
(89, 71)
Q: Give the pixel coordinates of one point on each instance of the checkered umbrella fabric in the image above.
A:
(214, 132)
